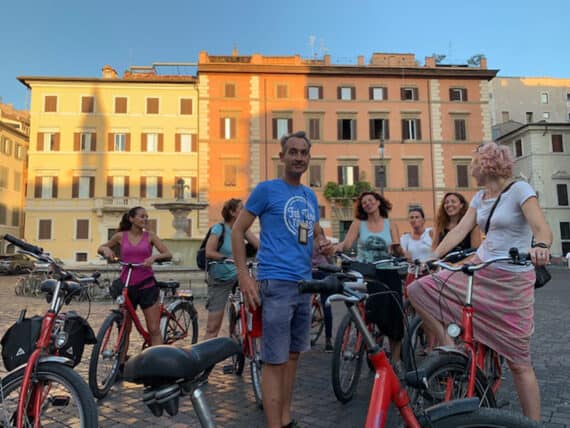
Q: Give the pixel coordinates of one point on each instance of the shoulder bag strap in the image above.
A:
(221, 239)
(495, 206)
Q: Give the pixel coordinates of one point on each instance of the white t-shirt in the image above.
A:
(418, 248)
(508, 227)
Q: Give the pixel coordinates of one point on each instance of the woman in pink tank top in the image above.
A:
(136, 243)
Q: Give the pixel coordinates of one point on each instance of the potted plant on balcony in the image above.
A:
(344, 195)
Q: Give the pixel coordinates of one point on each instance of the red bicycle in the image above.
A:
(178, 320)
(387, 388)
(46, 391)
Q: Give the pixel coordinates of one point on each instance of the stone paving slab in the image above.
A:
(231, 397)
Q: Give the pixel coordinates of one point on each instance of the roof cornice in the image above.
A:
(26, 80)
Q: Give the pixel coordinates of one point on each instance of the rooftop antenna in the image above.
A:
(312, 45)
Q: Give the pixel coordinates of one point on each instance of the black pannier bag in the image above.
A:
(20, 339)
(116, 288)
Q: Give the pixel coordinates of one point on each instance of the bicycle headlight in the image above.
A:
(61, 339)
(120, 300)
(453, 330)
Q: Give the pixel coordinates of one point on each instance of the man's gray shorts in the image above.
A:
(286, 318)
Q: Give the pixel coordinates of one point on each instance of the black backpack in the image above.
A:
(201, 261)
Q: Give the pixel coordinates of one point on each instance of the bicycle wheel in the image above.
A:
(348, 353)
(256, 366)
(447, 377)
(106, 355)
(180, 323)
(234, 320)
(65, 398)
(414, 344)
(317, 320)
(482, 418)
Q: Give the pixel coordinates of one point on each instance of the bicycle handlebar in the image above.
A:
(514, 257)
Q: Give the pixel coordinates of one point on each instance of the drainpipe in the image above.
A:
(431, 150)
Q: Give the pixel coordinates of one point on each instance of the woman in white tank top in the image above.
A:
(417, 244)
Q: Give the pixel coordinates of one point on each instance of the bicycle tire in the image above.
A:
(67, 391)
(414, 343)
(317, 321)
(442, 368)
(180, 323)
(234, 329)
(256, 366)
(105, 338)
(345, 386)
(482, 418)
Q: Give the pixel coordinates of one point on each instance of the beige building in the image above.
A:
(99, 146)
(14, 134)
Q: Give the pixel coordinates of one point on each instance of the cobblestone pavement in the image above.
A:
(231, 397)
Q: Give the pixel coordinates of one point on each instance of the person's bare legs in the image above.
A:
(288, 384)
(432, 325)
(152, 317)
(213, 324)
(526, 385)
(272, 393)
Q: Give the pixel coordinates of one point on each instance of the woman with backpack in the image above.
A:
(221, 277)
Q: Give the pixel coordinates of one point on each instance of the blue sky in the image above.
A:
(76, 38)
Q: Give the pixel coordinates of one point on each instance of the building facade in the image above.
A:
(100, 146)
(542, 154)
(14, 134)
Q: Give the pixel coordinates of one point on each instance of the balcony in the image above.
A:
(115, 204)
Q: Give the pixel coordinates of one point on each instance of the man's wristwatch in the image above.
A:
(540, 245)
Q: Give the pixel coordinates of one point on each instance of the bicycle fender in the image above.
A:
(451, 350)
(177, 302)
(454, 407)
(56, 359)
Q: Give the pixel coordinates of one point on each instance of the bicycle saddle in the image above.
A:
(173, 285)
(164, 364)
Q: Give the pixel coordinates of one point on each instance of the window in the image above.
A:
(565, 237)
(228, 128)
(185, 105)
(191, 191)
(16, 217)
(346, 93)
(83, 187)
(322, 212)
(378, 93)
(3, 177)
(50, 103)
(118, 187)
(17, 181)
(462, 172)
(347, 174)
(7, 146)
(85, 142)
(3, 214)
(557, 146)
(80, 257)
(460, 129)
(544, 97)
(379, 129)
(411, 129)
(20, 152)
(546, 115)
(185, 143)
(380, 176)
(409, 94)
(229, 90)
(282, 126)
(230, 175)
(151, 187)
(458, 94)
(120, 143)
(44, 229)
(412, 175)
(82, 229)
(121, 105)
(45, 187)
(87, 104)
(314, 128)
(529, 117)
(152, 106)
(518, 148)
(151, 143)
(506, 116)
(281, 91)
(562, 192)
(346, 129)
(48, 141)
(315, 92)
(315, 176)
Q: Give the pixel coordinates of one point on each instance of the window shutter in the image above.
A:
(38, 187)
(128, 142)
(386, 128)
(194, 187)
(402, 94)
(75, 187)
(159, 187)
(413, 178)
(320, 92)
(371, 95)
(56, 142)
(353, 93)
(54, 187)
(40, 141)
(274, 124)
(143, 187)
(144, 143)
(127, 187)
(418, 129)
(464, 90)
(385, 89)
(160, 142)
(353, 135)
(91, 187)
(93, 141)
(306, 92)
(233, 127)
(451, 94)
(339, 129)
(338, 92)
(355, 174)
(222, 128)
(76, 141)
(193, 143)
(405, 135)
(339, 174)
(82, 229)
(415, 94)
(289, 125)
(110, 142)
(109, 186)
(556, 140)
(177, 143)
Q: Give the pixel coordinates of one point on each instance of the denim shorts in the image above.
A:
(286, 320)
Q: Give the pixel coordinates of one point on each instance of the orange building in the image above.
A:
(408, 130)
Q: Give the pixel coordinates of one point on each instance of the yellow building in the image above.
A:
(14, 131)
(99, 146)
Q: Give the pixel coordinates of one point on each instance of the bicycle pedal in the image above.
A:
(229, 369)
(503, 403)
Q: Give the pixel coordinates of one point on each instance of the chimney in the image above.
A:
(327, 59)
(360, 60)
(235, 51)
(430, 61)
(483, 63)
(109, 72)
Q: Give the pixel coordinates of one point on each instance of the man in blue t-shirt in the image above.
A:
(289, 218)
